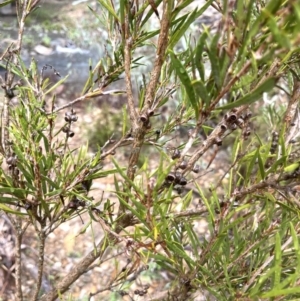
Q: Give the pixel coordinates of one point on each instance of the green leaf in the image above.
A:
(185, 79)
(214, 61)
(9, 210)
(277, 271)
(109, 8)
(253, 96)
(198, 55)
(250, 166)
(281, 292)
(182, 28)
(291, 167)
(183, 4)
(177, 249)
(137, 213)
(150, 12)
(121, 173)
(261, 165)
(56, 85)
(17, 192)
(201, 91)
(280, 37)
(276, 165)
(206, 202)
(6, 3)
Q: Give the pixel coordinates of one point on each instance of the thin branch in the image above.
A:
(89, 95)
(18, 266)
(188, 213)
(127, 65)
(227, 88)
(82, 267)
(78, 270)
(162, 45)
(140, 132)
(41, 256)
(291, 114)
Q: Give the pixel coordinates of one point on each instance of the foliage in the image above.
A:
(215, 83)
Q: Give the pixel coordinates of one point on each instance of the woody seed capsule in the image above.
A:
(176, 154)
(144, 118)
(170, 177)
(196, 168)
(182, 165)
(232, 118)
(183, 181)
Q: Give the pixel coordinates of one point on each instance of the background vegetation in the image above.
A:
(227, 94)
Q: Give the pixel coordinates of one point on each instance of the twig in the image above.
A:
(10, 78)
(162, 45)
(82, 267)
(188, 213)
(291, 113)
(127, 66)
(89, 95)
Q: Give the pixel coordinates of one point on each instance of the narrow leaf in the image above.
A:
(109, 8)
(185, 79)
(252, 96)
(9, 210)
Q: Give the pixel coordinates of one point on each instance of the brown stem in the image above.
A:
(291, 114)
(83, 266)
(42, 239)
(162, 45)
(18, 273)
(78, 270)
(140, 131)
(127, 65)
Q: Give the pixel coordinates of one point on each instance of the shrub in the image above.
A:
(239, 83)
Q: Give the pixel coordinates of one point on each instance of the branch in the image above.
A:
(141, 130)
(89, 95)
(162, 45)
(83, 266)
(41, 256)
(10, 78)
(78, 270)
(127, 65)
(291, 114)
(18, 276)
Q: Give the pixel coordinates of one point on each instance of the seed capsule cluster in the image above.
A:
(176, 178)
(70, 117)
(12, 164)
(142, 292)
(273, 149)
(75, 203)
(145, 118)
(231, 122)
(12, 161)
